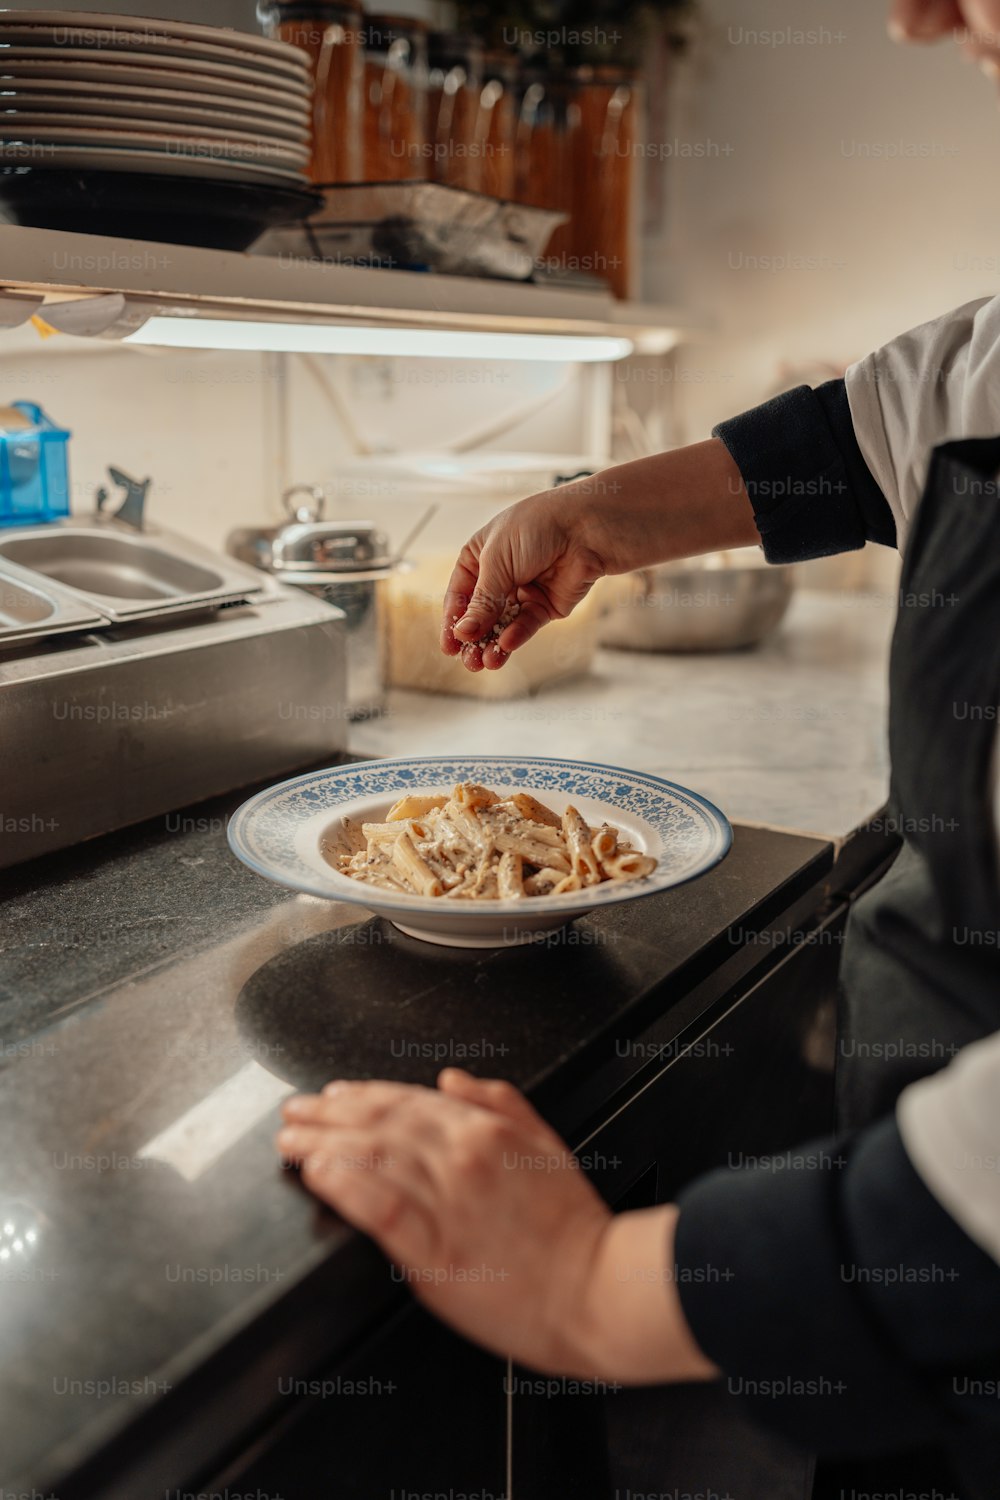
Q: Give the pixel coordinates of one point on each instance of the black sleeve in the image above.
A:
(842, 1302)
(811, 490)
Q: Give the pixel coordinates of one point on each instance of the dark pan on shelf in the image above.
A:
(213, 215)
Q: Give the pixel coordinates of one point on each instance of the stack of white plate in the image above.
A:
(112, 93)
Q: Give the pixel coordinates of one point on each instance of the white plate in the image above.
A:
(142, 65)
(280, 833)
(129, 37)
(150, 163)
(185, 90)
(232, 145)
(58, 108)
(192, 31)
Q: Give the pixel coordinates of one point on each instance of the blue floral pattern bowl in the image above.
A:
(280, 833)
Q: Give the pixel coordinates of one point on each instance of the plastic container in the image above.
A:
(565, 648)
(469, 489)
(34, 473)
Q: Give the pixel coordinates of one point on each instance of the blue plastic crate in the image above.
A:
(34, 470)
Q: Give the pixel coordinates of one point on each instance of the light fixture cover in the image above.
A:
(332, 338)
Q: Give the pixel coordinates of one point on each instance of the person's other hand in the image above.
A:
(975, 25)
(541, 553)
(495, 1227)
(924, 20)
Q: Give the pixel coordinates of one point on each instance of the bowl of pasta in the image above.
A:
(479, 851)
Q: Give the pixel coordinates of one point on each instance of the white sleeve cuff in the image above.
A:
(932, 385)
(950, 1126)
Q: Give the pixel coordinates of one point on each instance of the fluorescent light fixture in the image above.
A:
(332, 338)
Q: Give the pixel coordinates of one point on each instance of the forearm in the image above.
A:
(789, 475)
(632, 1327)
(678, 504)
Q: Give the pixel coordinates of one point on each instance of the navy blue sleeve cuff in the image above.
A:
(930, 1286)
(812, 492)
(843, 1304)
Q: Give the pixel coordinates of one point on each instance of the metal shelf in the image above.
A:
(58, 266)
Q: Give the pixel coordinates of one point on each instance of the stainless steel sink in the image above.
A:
(30, 607)
(116, 566)
(128, 576)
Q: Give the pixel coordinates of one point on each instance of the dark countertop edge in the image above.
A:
(138, 1454)
(709, 978)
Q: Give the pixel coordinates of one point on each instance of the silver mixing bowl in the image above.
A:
(690, 607)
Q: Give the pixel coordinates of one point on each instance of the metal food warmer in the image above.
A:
(140, 673)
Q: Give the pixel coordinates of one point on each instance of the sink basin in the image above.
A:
(126, 576)
(111, 565)
(30, 608)
(22, 606)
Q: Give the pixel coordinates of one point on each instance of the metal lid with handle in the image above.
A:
(310, 550)
(311, 545)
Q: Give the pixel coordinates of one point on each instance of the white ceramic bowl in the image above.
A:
(280, 834)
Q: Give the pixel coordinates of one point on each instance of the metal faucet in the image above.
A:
(133, 506)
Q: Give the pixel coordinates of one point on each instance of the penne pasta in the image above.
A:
(605, 843)
(541, 833)
(473, 845)
(468, 794)
(534, 811)
(477, 884)
(630, 866)
(510, 876)
(535, 854)
(380, 833)
(583, 861)
(413, 807)
(467, 823)
(414, 868)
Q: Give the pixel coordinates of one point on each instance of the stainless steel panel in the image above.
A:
(31, 607)
(101, 733)
(348, 564)
(126, 575)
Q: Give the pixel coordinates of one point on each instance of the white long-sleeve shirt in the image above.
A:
(938, 383)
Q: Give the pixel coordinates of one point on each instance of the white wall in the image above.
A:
(887, 240)
(208, 427)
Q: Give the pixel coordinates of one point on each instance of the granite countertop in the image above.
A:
(791, 734)
(157, 1002)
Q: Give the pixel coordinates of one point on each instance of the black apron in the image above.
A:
(921, 969)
